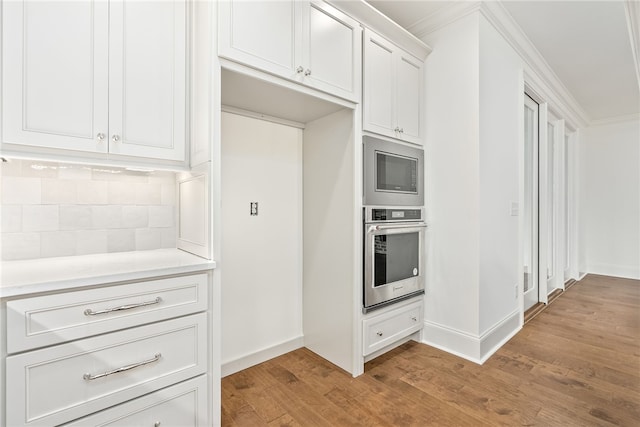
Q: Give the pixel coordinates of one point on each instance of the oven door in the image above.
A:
(393, 262)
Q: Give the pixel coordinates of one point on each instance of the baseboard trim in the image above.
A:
(622, 271)
(244, 362)
(477, 349)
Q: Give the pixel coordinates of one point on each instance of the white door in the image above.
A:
(408, 99)
(147, 79)
(379, 87)
(264, 34)
(548, 220)
(530, 208)
(55, 77)
(331, 42)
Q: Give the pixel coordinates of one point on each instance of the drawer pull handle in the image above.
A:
(91, 377)
(379, 333)
(89, 312)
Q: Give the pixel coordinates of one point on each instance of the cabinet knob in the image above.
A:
(115, 138)
(397, 129)
(100, 137)
(308, 72)
(379, 333)
(157, 424)
(414, 318)
(401, 130)
(299, 69)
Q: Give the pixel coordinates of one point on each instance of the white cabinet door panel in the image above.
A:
(409, 97)
(260, 33)
(379, 94)
(332, 46)
(147, 95)
(55, 57)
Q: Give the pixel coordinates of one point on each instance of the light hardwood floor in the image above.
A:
(576, 364)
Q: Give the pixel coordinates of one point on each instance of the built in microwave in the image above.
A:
(393, 173)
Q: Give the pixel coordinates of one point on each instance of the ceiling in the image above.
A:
(587, 44)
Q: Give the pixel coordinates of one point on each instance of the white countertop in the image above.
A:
(21, 278)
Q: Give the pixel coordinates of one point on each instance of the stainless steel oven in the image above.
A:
(393, 255)
(393, 173)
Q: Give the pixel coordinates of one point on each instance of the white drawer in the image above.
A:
(53, 319)
(386, 328)
(55, 385)
(181, 405)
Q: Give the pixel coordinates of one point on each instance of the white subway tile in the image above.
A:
(58, 191)
(168, 194)
(21, 191)
(11, 168)
(121, 193)
(93, 192)
(169, 238)
(76, 217)
(40, 218)
(58, 243)
(75, 172)
(16, 246)
(148, 239)
(38, 169)
(161, 216)
(135, 216)
(148, 194)
(121, 240)
(107, 216)
(11, 219)
(92, 242)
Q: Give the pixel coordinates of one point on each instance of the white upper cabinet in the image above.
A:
(393, 100)
(308, 42)
(96, 76)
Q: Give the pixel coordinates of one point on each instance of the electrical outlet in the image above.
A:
(516, 291)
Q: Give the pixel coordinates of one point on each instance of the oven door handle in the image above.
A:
(397, 226)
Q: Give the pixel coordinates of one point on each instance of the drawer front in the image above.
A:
(384, 329)
(181, 405)
(53, 319)
(65, 382)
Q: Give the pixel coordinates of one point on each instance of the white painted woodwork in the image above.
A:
(262, 255)
(55, 77)
(333, 240)
(332, 50)
(193, 214)
(147, 78)
(184, 404)
(382, 330)
(75, 70)
(393, 99)
(308, 42)
(52, 319)
(181, 342)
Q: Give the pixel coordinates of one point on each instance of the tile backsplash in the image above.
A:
(55, 209)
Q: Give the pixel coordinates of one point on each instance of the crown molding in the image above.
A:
(616, 120)
(547, 83)
(540, 76)
(375, 20)
(632, 11)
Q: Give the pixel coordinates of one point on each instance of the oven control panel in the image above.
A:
(392, 215)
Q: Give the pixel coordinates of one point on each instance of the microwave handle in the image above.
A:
(396, 226)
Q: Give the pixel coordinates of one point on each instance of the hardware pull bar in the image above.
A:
(90, 377)
(89, 312)
(397, 226)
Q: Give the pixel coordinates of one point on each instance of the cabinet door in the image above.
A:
(331, 50)
(379, 89)
(261, 34)
(409, 87)
(55, 57)
(147, 79)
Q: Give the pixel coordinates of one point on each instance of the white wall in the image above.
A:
(261, 255)
(452, 172)
(500, 110)
(609, 199)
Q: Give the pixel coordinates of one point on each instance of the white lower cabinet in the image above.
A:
(181, 405)
(388, 327)
(128, 354)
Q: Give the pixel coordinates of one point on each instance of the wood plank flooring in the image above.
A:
(575, 364)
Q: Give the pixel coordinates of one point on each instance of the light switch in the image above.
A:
(515, 209)
(254, 209)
